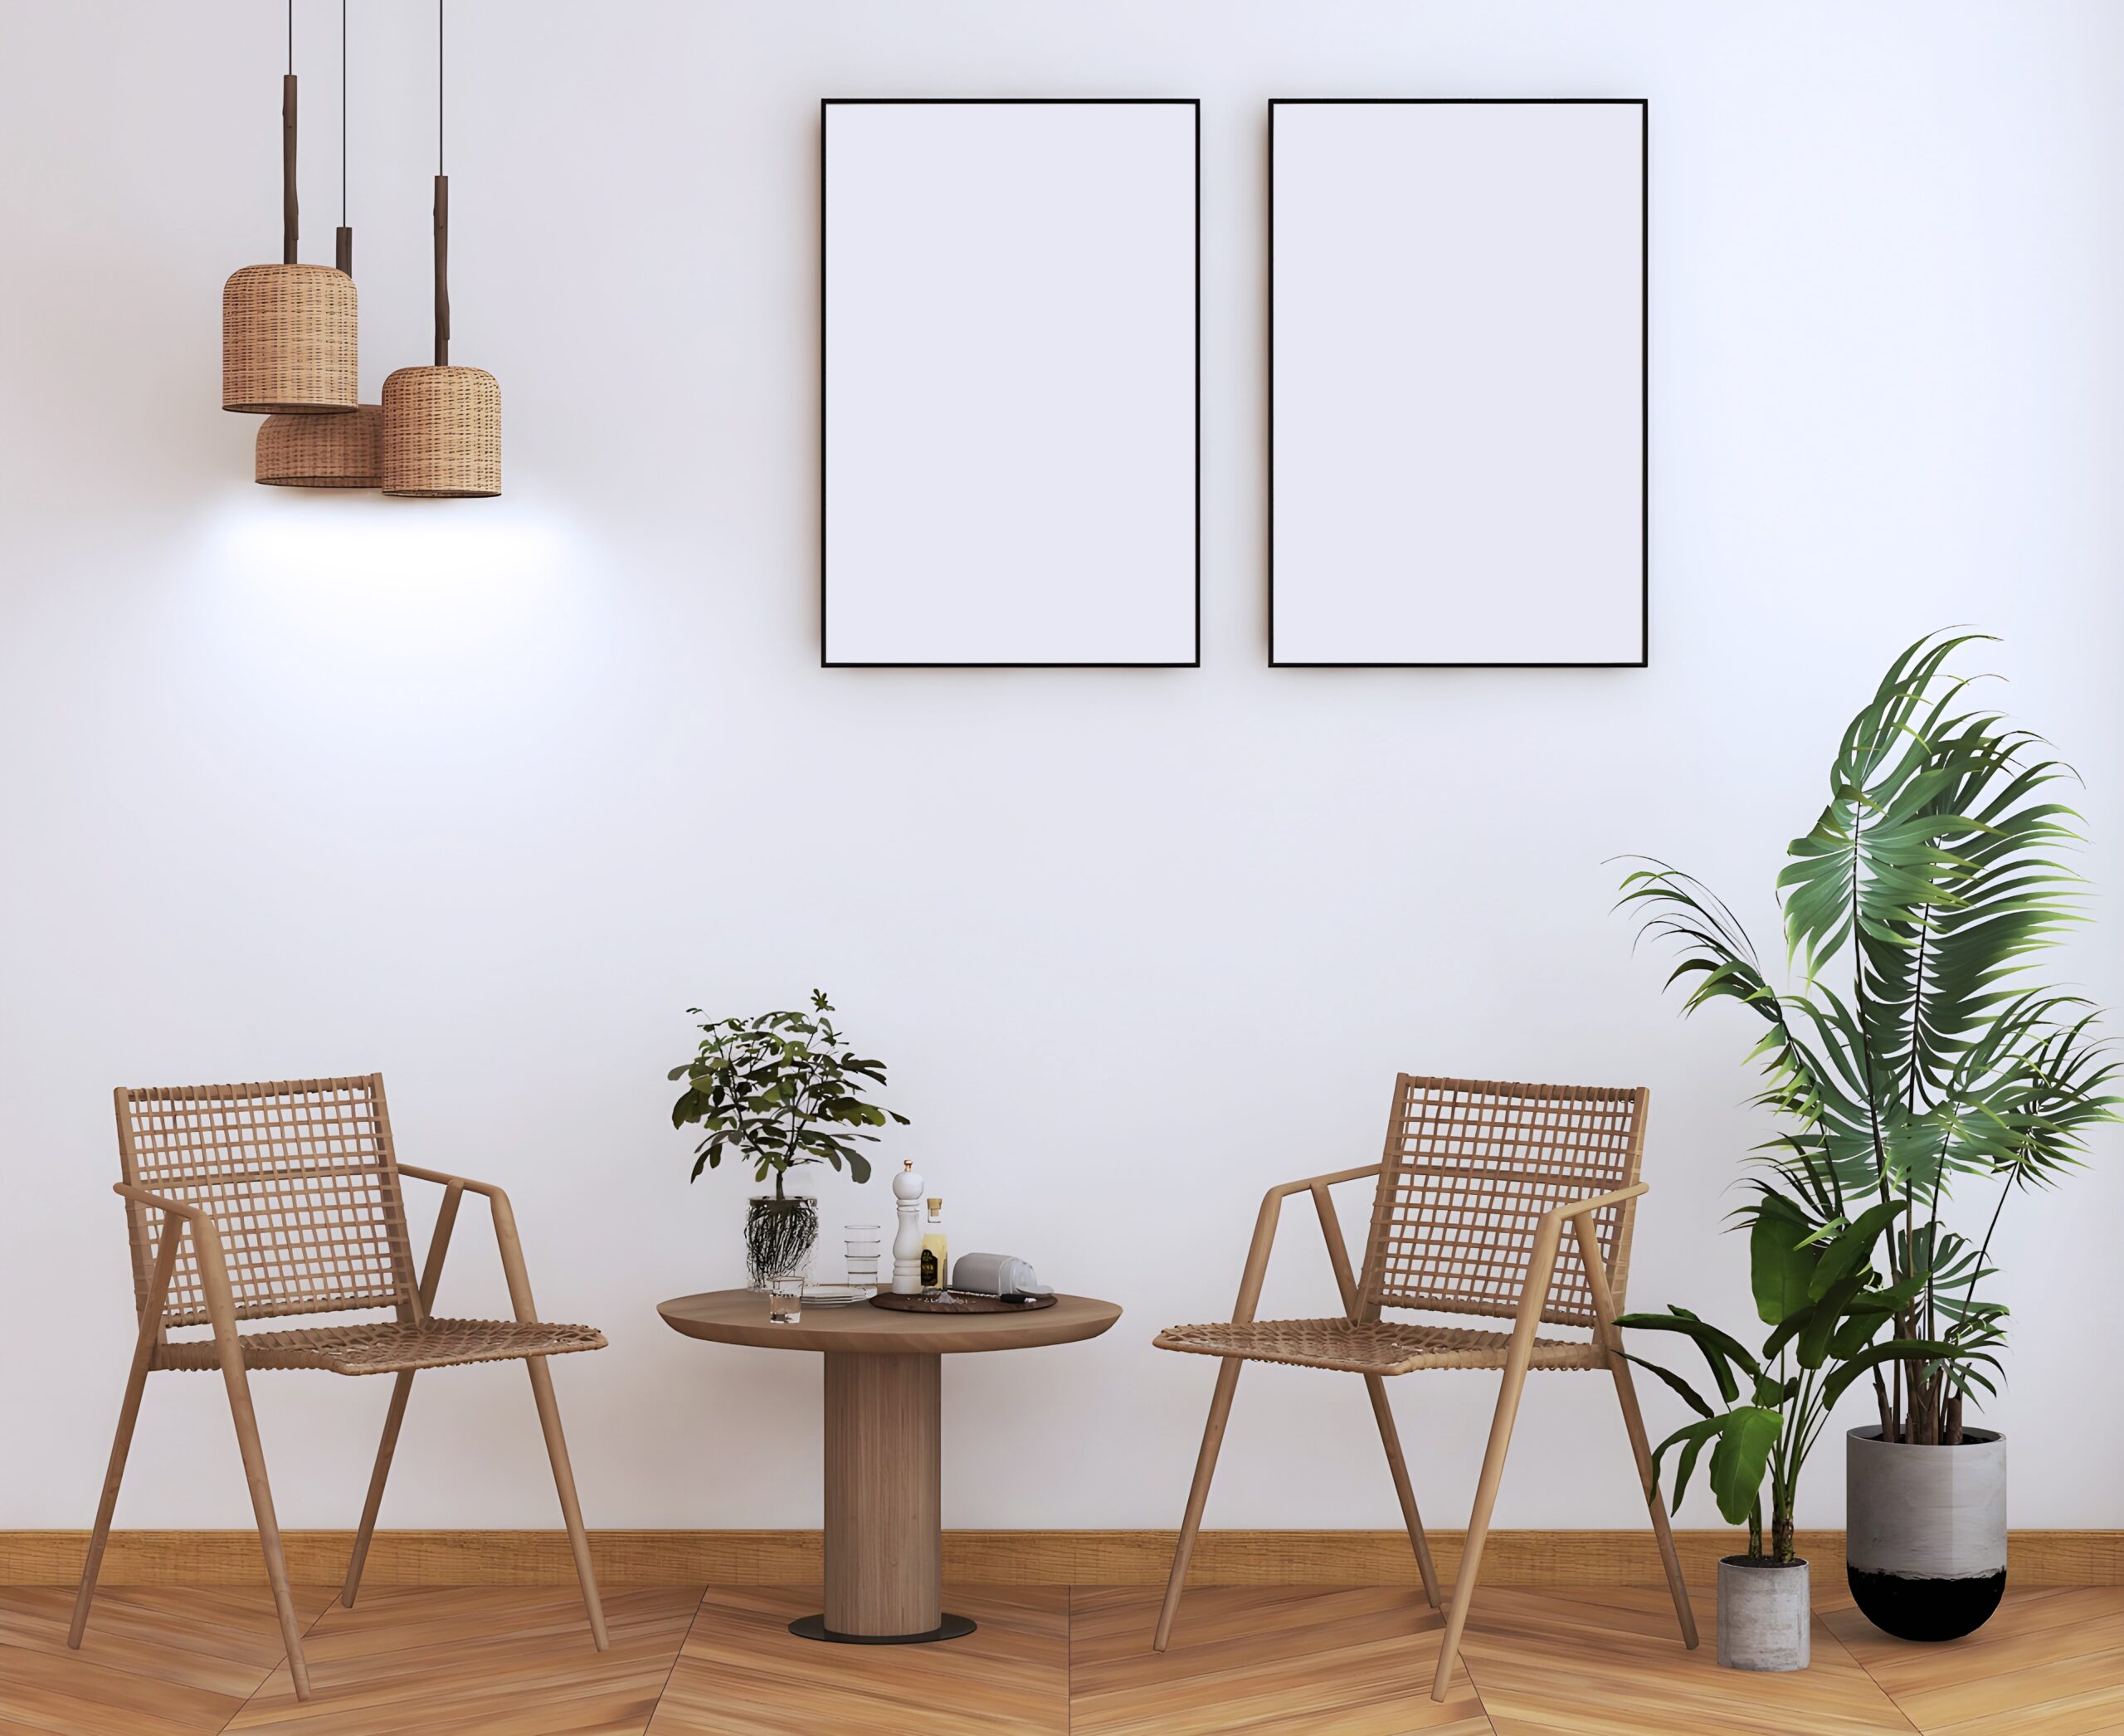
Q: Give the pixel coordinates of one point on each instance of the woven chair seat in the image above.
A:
(1370, 1346)
(391, 1347)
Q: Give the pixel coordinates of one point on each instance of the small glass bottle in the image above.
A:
(936, 1249)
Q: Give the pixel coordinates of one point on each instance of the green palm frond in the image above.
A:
(1913, 1052)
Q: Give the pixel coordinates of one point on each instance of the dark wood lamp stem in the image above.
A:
(442, 270)
(290, 221)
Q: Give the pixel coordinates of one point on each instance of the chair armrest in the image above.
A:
(1593, 1202)
(162, 1202)
(1264, 1235)
(505, 1238)
(442, 1179)
(1285, 1189)
(206, 1253)
(1540, 1267)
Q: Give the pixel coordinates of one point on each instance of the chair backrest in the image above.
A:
(1471, 1166)
(300, 1179)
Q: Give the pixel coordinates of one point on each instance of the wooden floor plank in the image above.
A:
(1254, 1661)
(468, 1660)
(743, 1673)
(2051, 1658)
(1614, 1665)
(1265, 1660)
(157, 1661)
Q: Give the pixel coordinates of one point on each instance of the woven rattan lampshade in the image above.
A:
(322, 451)
(441, 425)
(288, 330)
(441, 433)
(288, 341)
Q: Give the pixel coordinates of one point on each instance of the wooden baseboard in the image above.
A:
(978, 1557)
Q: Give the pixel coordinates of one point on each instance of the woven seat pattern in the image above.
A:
(391, 1347)
(1369, 1347)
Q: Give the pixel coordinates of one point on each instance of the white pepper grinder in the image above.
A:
(907, 1239)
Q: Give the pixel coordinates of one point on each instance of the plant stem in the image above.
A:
(1985, 1247)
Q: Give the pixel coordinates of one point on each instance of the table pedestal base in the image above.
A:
(814, 1628)
(884, 1542)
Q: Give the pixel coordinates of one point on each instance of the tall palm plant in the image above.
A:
(1913, 1053)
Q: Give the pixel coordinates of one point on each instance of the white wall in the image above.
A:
(485, 795)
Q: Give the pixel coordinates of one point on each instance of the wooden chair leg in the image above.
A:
(1641, 1450)
(1609, 1338)
(1478, 1521)
(129, 1412)
(1374, 1385)
(1198, 1495)
(549, 1420)
(262, 1502)
(401, 1389)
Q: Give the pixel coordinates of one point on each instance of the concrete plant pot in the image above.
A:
(1926, 1548)
(1764, 1618)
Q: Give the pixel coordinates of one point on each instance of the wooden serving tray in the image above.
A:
(957, 1302)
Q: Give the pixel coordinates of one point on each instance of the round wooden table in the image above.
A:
(883, 1441)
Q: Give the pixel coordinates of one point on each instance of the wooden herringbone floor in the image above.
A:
(464, 1662)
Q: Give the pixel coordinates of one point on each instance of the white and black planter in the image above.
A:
(1764, 1618)
(1925, 1549)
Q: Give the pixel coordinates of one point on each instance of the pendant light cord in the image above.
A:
(343, 112)
(343, 243)
(441, 212)
(290, 224)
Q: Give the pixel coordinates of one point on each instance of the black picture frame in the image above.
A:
(1643, 661)
(826, 105)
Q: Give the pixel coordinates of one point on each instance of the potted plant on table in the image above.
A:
(1826, 1304)
(1912, 1058)
(779, 1090)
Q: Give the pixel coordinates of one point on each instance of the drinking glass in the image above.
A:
(863, 1243)
(785, 1296)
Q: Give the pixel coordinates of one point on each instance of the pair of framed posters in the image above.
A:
(1011, 375)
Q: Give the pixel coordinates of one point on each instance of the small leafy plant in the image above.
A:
(779, 1090)
(1819, 1291)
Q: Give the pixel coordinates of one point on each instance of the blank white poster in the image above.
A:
(1011, 364)
(1458, 381)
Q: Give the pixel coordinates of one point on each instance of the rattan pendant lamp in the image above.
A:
(327, 452)
(441, 425)
(288, 330)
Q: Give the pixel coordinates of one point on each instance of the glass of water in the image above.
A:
(785, 1296)
(863, 1242)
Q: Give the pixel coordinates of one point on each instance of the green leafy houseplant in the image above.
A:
(1912, 1054)
(779, 1090)
(1826, 1304)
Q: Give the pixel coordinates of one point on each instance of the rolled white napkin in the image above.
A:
(996, 1275)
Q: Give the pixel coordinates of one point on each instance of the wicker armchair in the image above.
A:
(1477, 1184)
(249, 1202)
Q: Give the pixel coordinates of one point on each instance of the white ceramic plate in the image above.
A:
(834, 1295)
